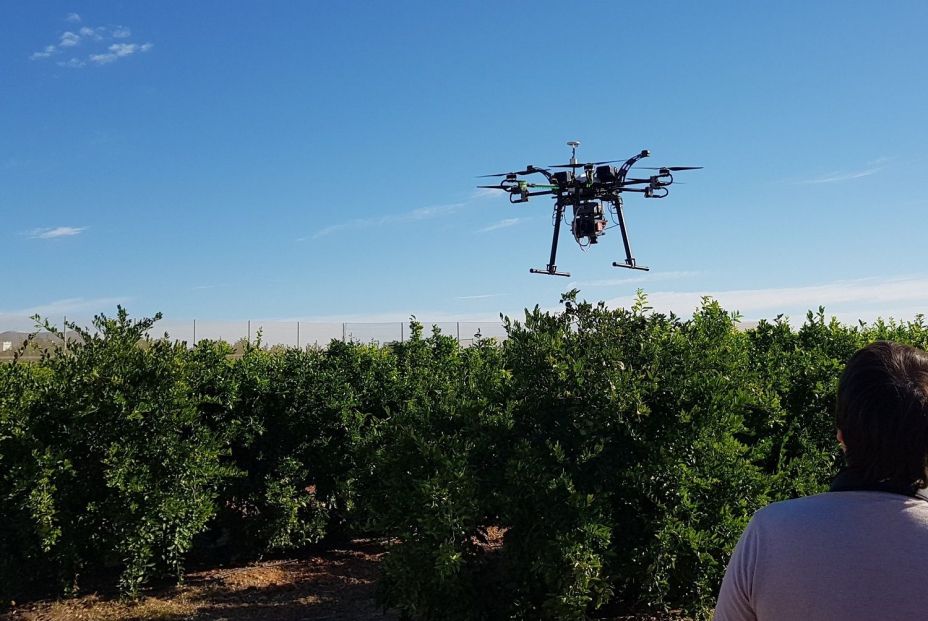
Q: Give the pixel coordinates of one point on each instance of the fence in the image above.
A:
(272, 333)
(303, 333)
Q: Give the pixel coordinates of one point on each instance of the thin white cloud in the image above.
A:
(483, 296)
(864, 298)
(871, 168)
(102, 59)
(72, 63)
(427, 317)
(422, 213)
(618, 282)
(119, 50)
(56, 232)
(100, 41)
(69, 39)
(50, 50)
(66, 306)
(425, 213)
(92, 33)
(502, 224)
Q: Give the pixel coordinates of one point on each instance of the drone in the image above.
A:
(590, 189)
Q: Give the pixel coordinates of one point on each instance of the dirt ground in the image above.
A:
(337, 585)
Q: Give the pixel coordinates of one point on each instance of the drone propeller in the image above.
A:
(520, 184)
(670, 168)
(582, 165)
(528, 170)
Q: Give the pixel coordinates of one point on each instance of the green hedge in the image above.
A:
(104, 460)
(621, 453)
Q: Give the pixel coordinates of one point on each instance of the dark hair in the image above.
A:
(883, 413)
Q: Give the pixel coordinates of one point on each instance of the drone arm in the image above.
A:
(524, 195)
(650, 191)
(628, 165)
(656, 180)
(541, 171)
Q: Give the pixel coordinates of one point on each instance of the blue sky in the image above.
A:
(317, 160)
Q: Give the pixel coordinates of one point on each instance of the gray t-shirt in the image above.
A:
(839, 555)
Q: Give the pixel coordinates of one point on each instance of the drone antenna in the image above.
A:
(573, 144)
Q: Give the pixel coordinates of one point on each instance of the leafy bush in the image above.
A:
(621, 452)
(627, 479)
(29, 469)
(110, 460)
(635, 449)
(304, 418)
(435, 472)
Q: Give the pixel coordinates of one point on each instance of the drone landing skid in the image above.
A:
(631, 266)
(551, 271)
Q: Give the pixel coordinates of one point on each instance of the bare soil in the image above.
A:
(339, 584)
(336, 585)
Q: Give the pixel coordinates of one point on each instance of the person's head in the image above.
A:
(882, 413)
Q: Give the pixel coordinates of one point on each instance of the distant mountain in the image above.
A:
(16, 339)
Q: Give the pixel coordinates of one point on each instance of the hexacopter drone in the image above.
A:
(597, 186)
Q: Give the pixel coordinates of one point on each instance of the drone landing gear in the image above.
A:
(552, 268)
(631, 265)
(551, 271)
(629, 259)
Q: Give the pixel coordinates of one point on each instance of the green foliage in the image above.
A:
(626, 455)
(29, 526)
(107, 457)
(621, 452)
(304, 419)
(436, 473)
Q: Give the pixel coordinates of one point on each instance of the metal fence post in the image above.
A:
(344, 340)
(459, 333)
(402, 334)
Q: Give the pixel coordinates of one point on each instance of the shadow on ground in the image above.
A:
(337, 585)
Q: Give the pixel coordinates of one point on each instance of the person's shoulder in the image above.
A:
(803, 503)
(830, 505)
(798, 508)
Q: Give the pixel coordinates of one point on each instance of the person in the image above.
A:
(859, 551)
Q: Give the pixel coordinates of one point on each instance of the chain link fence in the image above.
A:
(300, 334)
